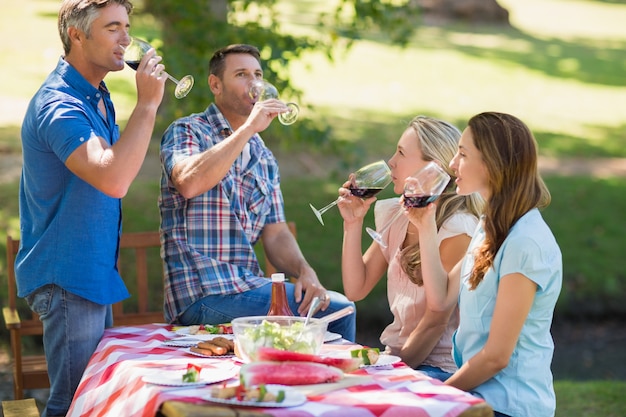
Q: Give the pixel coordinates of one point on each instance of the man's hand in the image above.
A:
(150, 79)
(263, 113)
(308, 284)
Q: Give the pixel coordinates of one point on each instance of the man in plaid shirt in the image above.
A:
(220, 193)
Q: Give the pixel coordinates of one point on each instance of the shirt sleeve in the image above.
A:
(179, 142)
(65, 126)
(457, 224)
(524, 255)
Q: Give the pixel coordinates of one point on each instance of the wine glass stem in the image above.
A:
(391, 221)
(172, 78)
(328, 207)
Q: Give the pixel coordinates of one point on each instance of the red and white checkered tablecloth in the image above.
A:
(112, 384)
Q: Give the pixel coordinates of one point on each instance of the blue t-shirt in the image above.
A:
(524, 387)
(69, 230)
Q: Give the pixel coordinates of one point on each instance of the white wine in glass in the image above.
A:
(260, 90)
(367, 182)
(420, 189)
(137, 49)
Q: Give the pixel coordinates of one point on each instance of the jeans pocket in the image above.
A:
(39, 300)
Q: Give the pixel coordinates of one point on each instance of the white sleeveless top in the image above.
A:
(406, 299)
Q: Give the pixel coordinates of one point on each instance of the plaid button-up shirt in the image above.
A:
(207, 241)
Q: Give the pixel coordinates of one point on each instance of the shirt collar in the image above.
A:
(76, 80)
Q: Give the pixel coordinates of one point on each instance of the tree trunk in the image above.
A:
(485, 11)
(219, 9)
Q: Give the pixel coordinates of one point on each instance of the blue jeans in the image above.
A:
(434, 372)
(72, 328)
(216, 309)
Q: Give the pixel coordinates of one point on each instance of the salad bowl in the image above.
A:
(280, 332)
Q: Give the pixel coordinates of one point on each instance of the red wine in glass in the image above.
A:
(419, 201)
(364, 192)
(367, 182)
(136, 50)
(133, 64)
(420, 189)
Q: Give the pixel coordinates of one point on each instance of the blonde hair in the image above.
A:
(438, 141)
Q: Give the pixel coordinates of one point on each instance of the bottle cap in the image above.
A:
(278, 277)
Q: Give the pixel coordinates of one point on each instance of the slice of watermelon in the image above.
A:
(273, 354)
(287, 373)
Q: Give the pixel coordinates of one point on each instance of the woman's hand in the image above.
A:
(423, 218)
(353, 209)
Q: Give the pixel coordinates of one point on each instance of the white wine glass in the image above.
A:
(366, 182)
(420, 189)
(260, 90)
(137, 49)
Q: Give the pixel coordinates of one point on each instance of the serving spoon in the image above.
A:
(315, 303)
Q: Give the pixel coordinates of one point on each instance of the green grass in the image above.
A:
(564, 77)
(594, 398)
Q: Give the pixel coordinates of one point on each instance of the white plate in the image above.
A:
(181, 342)
(184, 331)
(330, 336)
(384, 360)
(175, 379)
(191, 352)
(292, 398)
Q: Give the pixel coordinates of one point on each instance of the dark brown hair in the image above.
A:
(217, 62)
(509, 152)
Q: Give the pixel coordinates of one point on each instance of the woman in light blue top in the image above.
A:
(508, 283)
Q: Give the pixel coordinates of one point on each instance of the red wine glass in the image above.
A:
(420, 189)
(136, 50)
(367, 182)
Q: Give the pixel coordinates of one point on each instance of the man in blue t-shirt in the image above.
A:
(77, 167)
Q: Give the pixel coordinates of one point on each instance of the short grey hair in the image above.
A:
(81, 14)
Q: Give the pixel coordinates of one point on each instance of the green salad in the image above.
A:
(272, 334)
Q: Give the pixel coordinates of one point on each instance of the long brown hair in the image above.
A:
(509, 152)
(438, 141)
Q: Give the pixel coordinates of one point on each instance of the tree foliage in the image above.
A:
(192, 30)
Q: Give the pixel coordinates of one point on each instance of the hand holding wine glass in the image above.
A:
(420, 189)
(365, 183)
(260, 90)
(137, 49)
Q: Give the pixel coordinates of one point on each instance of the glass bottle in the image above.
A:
(279, 305)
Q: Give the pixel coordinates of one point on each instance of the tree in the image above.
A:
(193, 29)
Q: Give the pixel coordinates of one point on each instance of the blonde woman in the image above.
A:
(421, 337)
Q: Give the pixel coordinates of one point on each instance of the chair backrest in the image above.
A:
(269, 268)
(144, 306)
(139, 262)
(29, 320)
(146, 302)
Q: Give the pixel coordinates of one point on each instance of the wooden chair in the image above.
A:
(29, 371)
(144, 306)
(146, 302)
(269, 268)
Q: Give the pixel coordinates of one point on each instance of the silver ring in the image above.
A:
(326, 297)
